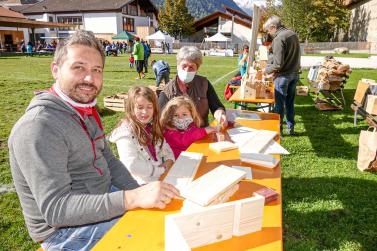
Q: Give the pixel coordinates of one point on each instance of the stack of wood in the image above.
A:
(332, 74)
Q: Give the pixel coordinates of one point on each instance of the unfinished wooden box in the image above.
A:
(372, 105)
(116, 102)
(187, 230)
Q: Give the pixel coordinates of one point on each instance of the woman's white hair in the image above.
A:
(273, 21)
(190, 53)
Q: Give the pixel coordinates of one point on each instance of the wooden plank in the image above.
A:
(361, 89)
(184, 169)
(222, 146)
(208, 187)
(259, 142)
(248, 214)
(371, 105)
(264, 160)
(212, 224)
(200, 228)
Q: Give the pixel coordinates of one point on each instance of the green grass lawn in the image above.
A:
(348, 55)
(327, 203)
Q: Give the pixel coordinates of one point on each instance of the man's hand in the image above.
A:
(155, 194)
(220, 117)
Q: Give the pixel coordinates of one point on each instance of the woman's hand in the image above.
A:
(221, 117)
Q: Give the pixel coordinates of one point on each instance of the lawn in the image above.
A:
(327, 203)
(348, 55)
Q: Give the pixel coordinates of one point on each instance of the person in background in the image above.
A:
(71, 187)
(139, 137)
(242, 60)
(161, 71)
(147, 54)
(198, 88)
(284, 67)
(181, 123)
(131, 61)
(29, 48)
(138, 52)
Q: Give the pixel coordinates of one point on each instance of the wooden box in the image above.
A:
(371, 106)
(116, 102)
(361, 89)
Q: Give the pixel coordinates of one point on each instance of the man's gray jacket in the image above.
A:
(286, 53)
(63, 168)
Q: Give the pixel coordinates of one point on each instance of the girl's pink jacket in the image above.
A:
(180, 140)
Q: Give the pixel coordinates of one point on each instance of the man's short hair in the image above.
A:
(190, 53)
(245, 47)
(80, 37)
(273, 21)
(152, 62)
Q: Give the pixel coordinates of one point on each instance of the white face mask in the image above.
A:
(186, 76)
(182, 124)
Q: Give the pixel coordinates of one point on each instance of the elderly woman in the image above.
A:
(198, 88)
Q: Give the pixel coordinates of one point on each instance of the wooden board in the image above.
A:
(371, 105)
(208, 187)
(361, 89)
(184, 169)
(199, 228)
(264, 160)
(222, 146)
(248, 214)
(207, 225)
(259, 142)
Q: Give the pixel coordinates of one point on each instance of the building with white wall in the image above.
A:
(104, 18)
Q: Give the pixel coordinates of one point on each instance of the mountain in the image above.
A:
(202, 8)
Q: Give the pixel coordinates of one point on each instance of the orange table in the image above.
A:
(268, 98)
(144, 229)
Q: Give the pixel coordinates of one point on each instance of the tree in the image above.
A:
(175, 19)
(313, 20)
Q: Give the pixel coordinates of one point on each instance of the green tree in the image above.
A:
(313, 20)
(175, 19)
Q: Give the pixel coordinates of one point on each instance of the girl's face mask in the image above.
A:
(182, 124)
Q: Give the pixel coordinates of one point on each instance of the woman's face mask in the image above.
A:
(186, 71)
(186, 76)
(182, 124)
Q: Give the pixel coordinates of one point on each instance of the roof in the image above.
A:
(26, 23)
(213, 18)
(19, 8)
(237, 12)
(4, 12)
(58, 6)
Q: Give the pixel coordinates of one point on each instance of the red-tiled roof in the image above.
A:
(210, 19)
(4, 12)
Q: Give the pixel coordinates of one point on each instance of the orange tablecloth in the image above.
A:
(144, 229)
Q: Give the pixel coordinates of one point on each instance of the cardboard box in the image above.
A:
(371, 106)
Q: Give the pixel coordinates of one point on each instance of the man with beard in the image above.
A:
(71, 187)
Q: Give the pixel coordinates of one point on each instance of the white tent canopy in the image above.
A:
(161, 37)
(218, 37)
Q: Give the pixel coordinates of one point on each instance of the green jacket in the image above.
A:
(138, 51)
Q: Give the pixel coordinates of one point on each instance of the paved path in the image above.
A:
(370, 63)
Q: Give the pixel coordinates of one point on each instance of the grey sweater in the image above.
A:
(61, 178)
(286, 53)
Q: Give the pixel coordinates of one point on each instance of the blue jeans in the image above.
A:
(80, 238)
(285, 91)
(164, 76)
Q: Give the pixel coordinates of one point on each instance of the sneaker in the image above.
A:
(137, 78)
(290, 131)
(143, 76)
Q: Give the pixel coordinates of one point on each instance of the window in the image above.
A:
(77, 20)
(128, 24)
(51, 19)
(130, 9)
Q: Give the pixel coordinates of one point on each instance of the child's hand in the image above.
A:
(167, 164)
(210, 129)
